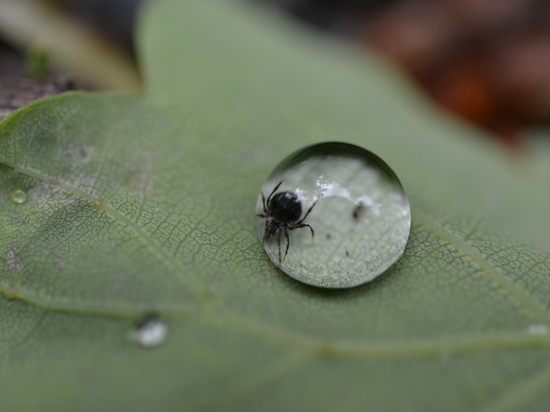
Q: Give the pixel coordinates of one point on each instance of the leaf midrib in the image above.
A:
(412, 348)
(383, 349)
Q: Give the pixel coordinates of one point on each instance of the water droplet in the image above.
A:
(151, 331)
(537, 329)
(19, 196)
(339, 189)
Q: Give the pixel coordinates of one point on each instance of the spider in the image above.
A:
(282, 213)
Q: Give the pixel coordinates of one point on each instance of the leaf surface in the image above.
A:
(146, 203)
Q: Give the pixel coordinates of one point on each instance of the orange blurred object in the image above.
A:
(488, 62)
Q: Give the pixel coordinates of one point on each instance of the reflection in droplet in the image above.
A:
(19, 196)
(351, 194)
(151, 331)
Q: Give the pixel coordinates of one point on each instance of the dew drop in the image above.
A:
(151, 331)
(537, 329)
(349, 193)
(19, 196)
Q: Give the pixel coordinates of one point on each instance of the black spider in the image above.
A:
(282, 213)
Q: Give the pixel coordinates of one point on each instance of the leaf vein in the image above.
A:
(532, 307)
(155, 248)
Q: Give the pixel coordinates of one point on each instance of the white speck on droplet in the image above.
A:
(151, 331)
(332, 188)
(301, 194)
(537, 329)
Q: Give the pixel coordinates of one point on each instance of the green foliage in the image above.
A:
(37, 63)
(146, 203)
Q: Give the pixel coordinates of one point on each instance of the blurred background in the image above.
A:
(487, 62)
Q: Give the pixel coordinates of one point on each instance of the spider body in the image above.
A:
(282, 213)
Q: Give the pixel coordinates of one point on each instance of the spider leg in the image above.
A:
(265, 236)
(298, 226)
(271, 194)
(304, 218)
(263, 203)
(287, 244)
(279, 244)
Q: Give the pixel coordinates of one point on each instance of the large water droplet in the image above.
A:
(151, 331)
(353, 203)
(19, 196)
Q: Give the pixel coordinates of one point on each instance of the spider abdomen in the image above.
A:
(285, 207)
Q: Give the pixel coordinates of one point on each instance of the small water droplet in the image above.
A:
(537, 329)
(98, 204)
(151, 331)
(335, 188)
(19, 196)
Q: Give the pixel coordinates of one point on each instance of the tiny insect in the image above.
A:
(358, 210)
(282, 213)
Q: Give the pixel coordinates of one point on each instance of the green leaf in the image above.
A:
(146, 203)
